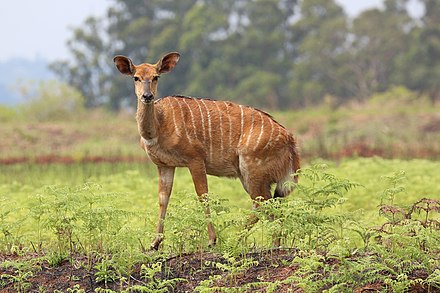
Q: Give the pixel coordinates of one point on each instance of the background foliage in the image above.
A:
(268, 53)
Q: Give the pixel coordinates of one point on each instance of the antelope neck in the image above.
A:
(146, 120)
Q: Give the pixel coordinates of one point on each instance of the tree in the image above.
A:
(87, 74)
(378, 38)
(319, 37)
(419, 67)
(261, 52)
(265, 53)
(205, 29)
(222, 43)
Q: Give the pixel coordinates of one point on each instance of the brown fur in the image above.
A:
(209, 137)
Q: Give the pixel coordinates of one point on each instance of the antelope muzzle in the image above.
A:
(147, 98)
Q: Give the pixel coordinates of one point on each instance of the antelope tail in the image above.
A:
(285, 185)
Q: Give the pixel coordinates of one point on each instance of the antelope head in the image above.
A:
(146, 75)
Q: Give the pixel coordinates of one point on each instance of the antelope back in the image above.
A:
(222, 132)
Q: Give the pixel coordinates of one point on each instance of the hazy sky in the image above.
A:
(39, 28)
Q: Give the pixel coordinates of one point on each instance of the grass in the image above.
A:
(107, 212)
(133, 186)
(394, 124)
(129, 177)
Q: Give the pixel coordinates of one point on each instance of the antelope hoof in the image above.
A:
(155, 244)
(212, 242)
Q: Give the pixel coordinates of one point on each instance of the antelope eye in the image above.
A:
(155, 78)
(136, 78)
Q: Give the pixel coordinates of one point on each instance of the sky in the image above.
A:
(39, 29)
(33, 29)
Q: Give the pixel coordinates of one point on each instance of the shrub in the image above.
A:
(51, 100)
(7, 113)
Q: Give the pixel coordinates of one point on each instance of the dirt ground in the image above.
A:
(192, 269)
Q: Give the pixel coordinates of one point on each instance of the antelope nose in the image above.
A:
(146, 98)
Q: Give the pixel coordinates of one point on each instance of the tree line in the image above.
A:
(265, 53)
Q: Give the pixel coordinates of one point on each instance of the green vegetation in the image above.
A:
(356, 223)
(50, 101)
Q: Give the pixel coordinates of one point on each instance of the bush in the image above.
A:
(51, 100)
(7, 113)
(398, 96)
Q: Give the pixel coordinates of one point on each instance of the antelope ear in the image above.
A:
(167, 62)
(124, 64)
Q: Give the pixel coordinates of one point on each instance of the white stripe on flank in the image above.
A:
(261, 131)
(174, 116)
(192, 118)
(251, 131)
(242, 125)
(230, 124)
(201, 117)
(269, 141)
(183, 121)
(209, 129)
(221, 128)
